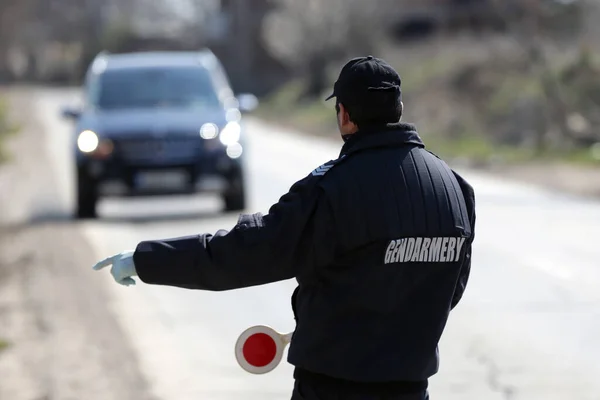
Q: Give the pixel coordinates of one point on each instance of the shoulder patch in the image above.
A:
(322, 169)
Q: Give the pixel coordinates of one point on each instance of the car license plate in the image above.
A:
(170, 179)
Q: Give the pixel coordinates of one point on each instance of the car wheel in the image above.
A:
(235, 198)
(87, 198)
(235, 202)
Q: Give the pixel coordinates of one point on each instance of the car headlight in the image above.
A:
(230, 134)
(234, 151)
(209, 131)
(87, 141)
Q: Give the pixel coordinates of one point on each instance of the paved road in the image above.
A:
(528, 326)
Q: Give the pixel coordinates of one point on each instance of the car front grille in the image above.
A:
(157, 150)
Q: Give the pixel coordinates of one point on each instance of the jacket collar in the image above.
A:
(389, 135)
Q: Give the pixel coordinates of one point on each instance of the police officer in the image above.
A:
(378, 239)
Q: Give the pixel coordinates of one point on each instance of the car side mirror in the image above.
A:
(71, 113)
(247, 102)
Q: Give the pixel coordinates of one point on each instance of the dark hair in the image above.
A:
(377, 110)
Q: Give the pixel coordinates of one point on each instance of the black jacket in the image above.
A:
(379, 241)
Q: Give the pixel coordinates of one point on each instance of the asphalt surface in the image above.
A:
(528, 326)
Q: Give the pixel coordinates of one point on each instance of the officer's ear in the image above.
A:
(343, 117)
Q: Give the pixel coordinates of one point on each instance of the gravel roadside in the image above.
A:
(577, 180)
(64, 343)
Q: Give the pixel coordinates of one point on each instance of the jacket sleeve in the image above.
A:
(292, 238)
(469, 195)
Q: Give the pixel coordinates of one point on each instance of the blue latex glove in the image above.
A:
(122, 268)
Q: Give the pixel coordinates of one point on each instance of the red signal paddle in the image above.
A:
(259, 349)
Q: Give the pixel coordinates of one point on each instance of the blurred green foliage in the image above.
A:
(7, 128)
(492, 109)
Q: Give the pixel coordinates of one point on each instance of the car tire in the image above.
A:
(87, 198)
(235, 198)
(235, 202)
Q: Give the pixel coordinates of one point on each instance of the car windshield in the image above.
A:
(156, 87)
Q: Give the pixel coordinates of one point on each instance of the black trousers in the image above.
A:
(309, 390)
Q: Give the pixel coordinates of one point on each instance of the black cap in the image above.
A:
(363, 77)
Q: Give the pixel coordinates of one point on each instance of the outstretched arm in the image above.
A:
(293, 237)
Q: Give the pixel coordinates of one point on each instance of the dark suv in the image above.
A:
(158, 123)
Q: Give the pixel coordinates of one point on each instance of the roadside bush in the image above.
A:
(6, 129)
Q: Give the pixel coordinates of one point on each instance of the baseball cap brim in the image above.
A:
(331, 96)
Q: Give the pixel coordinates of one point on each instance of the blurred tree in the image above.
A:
(117, 36)
(12, 17)
(7, 127)
(199, 14)
(44, 29)
(309, 35)
(533, 23)
(234, 35)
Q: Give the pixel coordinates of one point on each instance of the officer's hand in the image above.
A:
(122, 267)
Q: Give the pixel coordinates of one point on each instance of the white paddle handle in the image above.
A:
(286, 339)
